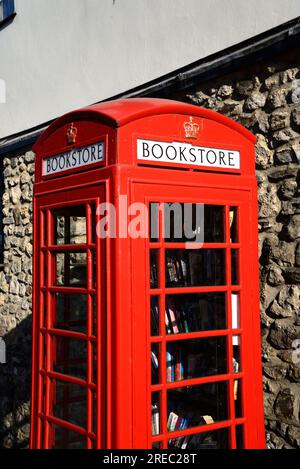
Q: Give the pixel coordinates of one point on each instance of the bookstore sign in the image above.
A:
(72, 159)
(187, 154)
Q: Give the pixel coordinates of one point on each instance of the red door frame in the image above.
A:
(212, 191)
(45, 332)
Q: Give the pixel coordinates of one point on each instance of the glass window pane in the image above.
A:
(187, 222)
(154, 268)
(237, 393)
(217, 439)
(187, 359)
(157, 445)
(214, 216)
(154, 315)
(70, 356)
(70, 403)
(192, 406)
(236, 343)
(155, 364)
(70, 225)
(195, 267)
(195, 312)
(239, 430)
(235, 310)
(154, 221)
(71, 312)
(235, 267)
(71, 269)
(233, 223)
(66, 439)
(155, 413)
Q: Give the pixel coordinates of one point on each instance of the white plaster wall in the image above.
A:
(58, 55)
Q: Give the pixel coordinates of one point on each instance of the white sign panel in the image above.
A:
(186, 153)
(75, 158)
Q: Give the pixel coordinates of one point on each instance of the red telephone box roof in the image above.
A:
(119, 112)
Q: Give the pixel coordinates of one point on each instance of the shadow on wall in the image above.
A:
(15, 387)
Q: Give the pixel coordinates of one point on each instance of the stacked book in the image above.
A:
(177, 271)
(183, 317)
(178, 423)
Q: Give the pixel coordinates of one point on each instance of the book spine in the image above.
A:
(173, 321)
(170, 368)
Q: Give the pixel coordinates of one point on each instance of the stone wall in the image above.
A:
(265, 98)
(15, 300)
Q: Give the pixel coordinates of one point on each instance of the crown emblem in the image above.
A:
(191, 129)
(71, 134)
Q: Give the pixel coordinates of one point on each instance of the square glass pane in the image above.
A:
(70, 403)
(154, 315)
(154, 268)
(233, 224)
(70, 356)
(236, 344)
(70, 225)
(66, 439)
(237, 393)
(239, 431)
(187, 222)
(154, 221)
(195, 312)
(71, 269)
(155, 364)
(155, 418)
(193, 406)
(195, 267)
(217, 439)
(183, 222)
(214, 217)
(188, 359)
(71, 312)
(235, 310)
(157, 445)
(235, 275)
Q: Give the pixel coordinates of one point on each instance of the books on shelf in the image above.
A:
(188, 316)
(176, 270)
(153, 273)
(175, 365)
(154, 367)
(155, 419)
(178, 422)
(154, 316)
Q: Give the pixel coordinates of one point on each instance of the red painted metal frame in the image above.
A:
(123, 385)
(250, 374)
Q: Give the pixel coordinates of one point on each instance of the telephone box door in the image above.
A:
(70, 346)
(201, 367)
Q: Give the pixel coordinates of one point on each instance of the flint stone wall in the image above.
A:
(15, 300)
(264, 98)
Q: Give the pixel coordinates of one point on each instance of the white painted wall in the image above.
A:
(58, 55)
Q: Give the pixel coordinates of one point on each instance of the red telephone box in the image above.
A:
(146, 335)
